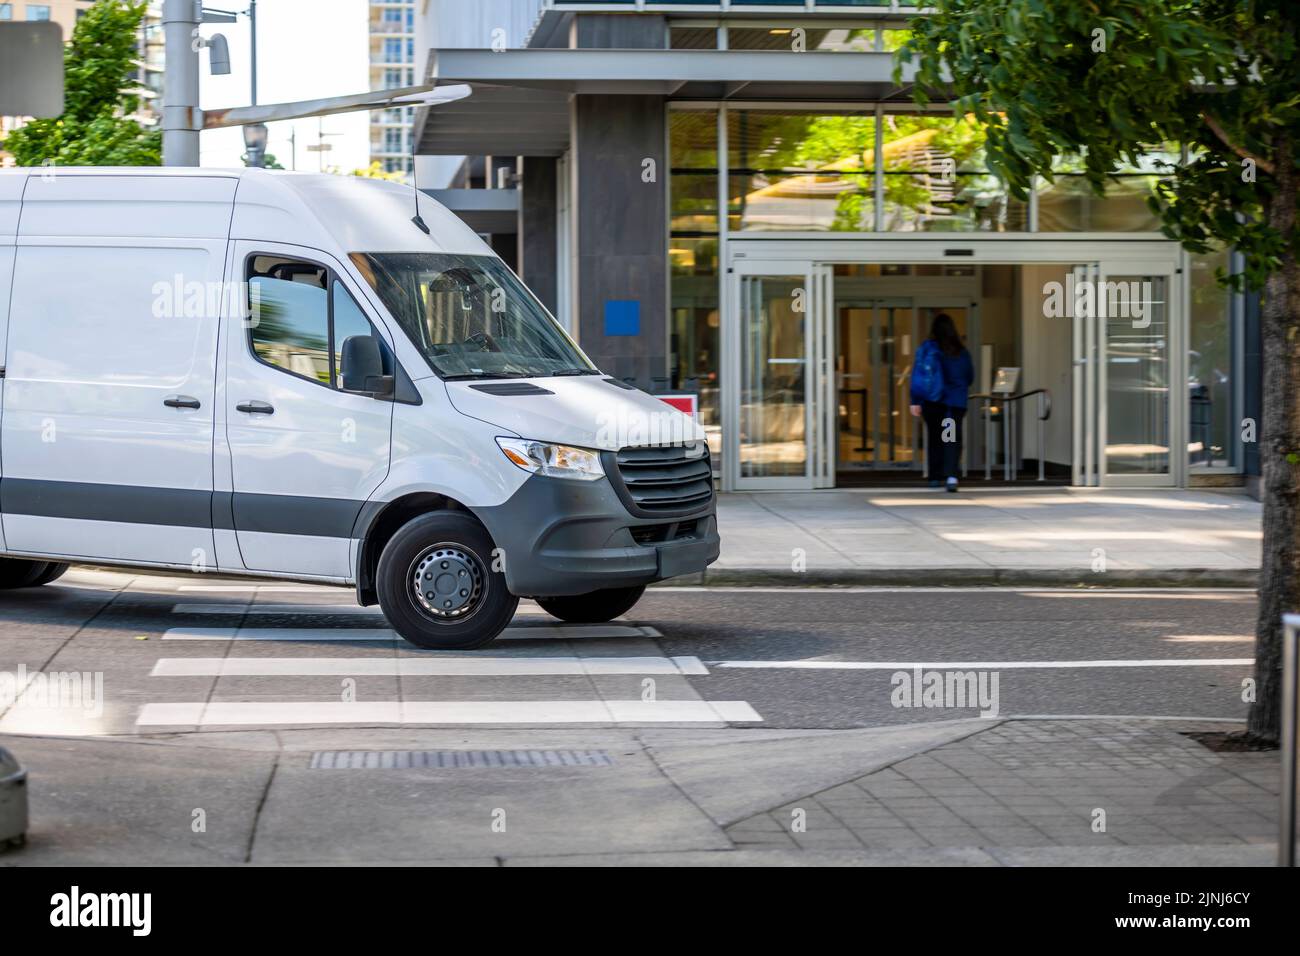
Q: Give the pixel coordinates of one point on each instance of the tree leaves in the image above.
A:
(1105, 80)
(94, 129)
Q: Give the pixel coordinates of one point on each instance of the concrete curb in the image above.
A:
(974, 577)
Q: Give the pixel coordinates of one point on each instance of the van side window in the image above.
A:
(289, 315)
(349, 320)
(300, 315)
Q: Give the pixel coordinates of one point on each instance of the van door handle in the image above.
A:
(180, 401)
(255, 408)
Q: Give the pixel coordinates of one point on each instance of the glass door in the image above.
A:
(878, 338)
(1132, 403)
(893, 438)
(774, 398)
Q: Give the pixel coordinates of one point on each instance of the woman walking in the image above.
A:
(941, 380)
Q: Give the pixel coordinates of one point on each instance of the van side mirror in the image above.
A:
(361, 368)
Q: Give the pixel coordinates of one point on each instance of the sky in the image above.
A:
(306, 49)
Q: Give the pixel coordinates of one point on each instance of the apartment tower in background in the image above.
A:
(392, 65)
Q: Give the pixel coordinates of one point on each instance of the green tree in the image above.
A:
(1106, 80)
(94, 129)
(374, 171)
(268, 161)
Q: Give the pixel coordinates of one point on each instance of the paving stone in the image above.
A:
(891, 838)
(1037, 783)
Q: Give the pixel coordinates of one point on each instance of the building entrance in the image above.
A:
(818, 352)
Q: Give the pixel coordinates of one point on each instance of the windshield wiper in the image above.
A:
(576, 371)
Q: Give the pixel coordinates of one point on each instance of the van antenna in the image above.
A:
(415, 185)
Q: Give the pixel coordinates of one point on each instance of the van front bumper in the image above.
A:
(562, 537)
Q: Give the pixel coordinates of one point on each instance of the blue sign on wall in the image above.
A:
(622, 317)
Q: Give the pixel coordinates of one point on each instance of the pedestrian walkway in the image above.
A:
(1028, 783)
(1092, 537)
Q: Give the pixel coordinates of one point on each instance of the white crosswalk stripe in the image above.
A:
(273, 713)
(475, 666)
(319, 610)
(567, 632)
(619, 661)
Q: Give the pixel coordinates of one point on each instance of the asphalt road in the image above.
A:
(981, 629)
(180, 654)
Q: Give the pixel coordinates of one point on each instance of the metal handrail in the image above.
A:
(1010, 435)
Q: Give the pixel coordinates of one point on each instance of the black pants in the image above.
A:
(942, 456)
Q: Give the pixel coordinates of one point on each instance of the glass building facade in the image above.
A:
(813, 226)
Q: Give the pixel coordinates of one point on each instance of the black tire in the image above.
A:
(594, 608)
(19, 573)
(53, 571)
(467, 604)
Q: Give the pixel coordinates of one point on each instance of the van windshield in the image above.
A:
(470, 316)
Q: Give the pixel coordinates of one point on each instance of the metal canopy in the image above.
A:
(483, 210)
(496, 121)
(519, 105)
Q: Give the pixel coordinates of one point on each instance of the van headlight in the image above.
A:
(554, 461)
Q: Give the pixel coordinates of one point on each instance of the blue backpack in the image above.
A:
(927, 373)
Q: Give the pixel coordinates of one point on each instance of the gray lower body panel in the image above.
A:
(563, 537)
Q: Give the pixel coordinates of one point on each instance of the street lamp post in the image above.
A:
(255, 143)
(181, 119)
(252, 34)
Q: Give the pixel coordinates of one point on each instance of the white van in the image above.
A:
(311, 377)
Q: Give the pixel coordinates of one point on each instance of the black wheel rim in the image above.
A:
(448, 582)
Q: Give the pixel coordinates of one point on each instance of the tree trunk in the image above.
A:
(1279, 579)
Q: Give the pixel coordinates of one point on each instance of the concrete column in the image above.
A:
(622, 234)
(622, 229)
(538, 251)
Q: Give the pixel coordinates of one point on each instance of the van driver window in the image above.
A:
(349, 320)
(289, 315)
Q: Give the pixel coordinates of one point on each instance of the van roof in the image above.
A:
(340, 214)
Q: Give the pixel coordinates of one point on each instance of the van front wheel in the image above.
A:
(594, 608)
(438, 586)
(17, 573)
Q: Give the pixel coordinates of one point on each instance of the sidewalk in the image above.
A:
(1018, 789)
(966, 792)
(1034, 536)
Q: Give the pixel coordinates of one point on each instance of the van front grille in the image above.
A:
(655, 480)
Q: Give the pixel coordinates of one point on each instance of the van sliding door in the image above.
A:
(110, 373)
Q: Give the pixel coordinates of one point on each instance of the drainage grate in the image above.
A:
(455, 759)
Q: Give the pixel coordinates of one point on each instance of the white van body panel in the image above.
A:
(11, 195)
(122, 205)
(585, 411)
(437, 450)
(12, 183)
(225, 546)
(331, 213)
(96, 466)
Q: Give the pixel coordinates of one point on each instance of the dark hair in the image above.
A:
(944, 331)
